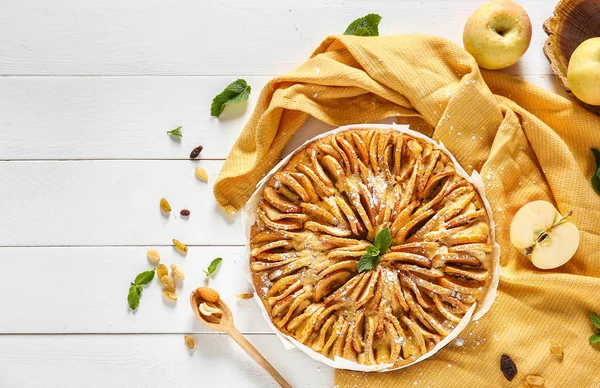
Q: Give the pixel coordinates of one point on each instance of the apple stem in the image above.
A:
(563, 219)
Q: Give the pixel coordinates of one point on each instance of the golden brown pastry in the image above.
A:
(320, 212)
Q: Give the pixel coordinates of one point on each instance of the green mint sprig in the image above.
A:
(212, 267)
(595, 320)
(175, 132)
(364, 26)
(135, 290)
(382, 242)
(236, 91)
(596, 176)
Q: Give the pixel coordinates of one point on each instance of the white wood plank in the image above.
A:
(84, 290)
(127, 117)
(188, 37)
(117, 117)
(111, 203)
(148, 361)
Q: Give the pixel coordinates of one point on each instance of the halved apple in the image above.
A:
(542, 234)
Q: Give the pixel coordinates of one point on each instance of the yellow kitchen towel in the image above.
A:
(526, 142)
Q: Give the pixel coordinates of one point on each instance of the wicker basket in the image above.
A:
(573, 22)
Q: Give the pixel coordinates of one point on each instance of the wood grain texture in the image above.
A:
(84, 290)
(118, 117)
(127, 117)
(213, 37)
(149, 361)
(97, 84)
(111, 203)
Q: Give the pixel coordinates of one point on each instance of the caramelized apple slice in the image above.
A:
(331, 230)
(405, 257)
(469, 273)
(272, 245)
(275, 215)
(271, 196)
(318, 214)
(330, 283)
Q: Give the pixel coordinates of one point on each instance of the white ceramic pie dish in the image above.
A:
(475, 312)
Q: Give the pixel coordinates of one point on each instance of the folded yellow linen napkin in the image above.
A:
(526, 142)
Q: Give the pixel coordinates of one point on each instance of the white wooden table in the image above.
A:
(87, 91)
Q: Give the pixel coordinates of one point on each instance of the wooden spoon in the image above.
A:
(226, 325)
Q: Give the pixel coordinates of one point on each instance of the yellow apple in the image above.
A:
(542, 234)
(497, 34)
(583, 73)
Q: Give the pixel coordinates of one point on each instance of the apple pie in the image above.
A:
(320, 212)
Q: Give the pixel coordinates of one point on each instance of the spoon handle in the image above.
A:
(256, 356)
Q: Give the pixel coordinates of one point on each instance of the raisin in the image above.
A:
(508, 367)
(557, 350)
(161, 270)
(195, 152)
(180, 246)
(184, 213)
(167, 283)
(164, 205)
(171, 295)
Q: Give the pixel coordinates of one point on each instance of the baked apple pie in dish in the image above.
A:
(318, 213)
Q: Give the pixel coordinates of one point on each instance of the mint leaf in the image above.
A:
(234, 92)
(175, 132)
(367, 262)
(595, 320)
(383, 240)
(594, 339)
(212, 267)
(373, 251)
(365, 26)
(133, 297)
(596, 177)
(135, 290)
(144, 278)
